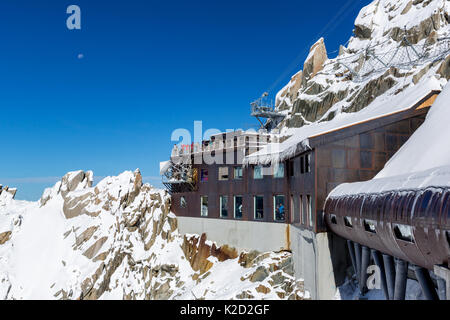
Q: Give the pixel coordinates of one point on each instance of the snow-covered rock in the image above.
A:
(326, 88)
(119, 240)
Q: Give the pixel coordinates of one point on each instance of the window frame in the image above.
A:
(201, 206)
(221, 204)
(202, 171)
(183, 205)
(220, 174)
(275, 208)
(234, 173)
(261, 173)
(234, 206)
(254, 207)
(276, 171)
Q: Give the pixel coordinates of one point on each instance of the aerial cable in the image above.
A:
(334, 22)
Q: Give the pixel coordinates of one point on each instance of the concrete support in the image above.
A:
(428, 290)
(444, 273)
(377, 258)
(390, 274)
(401, 276)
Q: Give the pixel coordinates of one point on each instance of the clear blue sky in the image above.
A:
(148, 67)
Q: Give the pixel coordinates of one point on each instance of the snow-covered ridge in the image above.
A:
(119, 240)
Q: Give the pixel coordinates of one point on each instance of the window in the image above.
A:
(238, 207)
(302, 165)
(291, 168)
(204, 175)
(258, 206)
(404, 232)
(308, 163)
(223, 173)
(238, 173)
(309, 209)
(302, 211)
(224, 206)
(293, 208)
(204, 206)
(257, 172)
(305, 163)
(279, 210)
(183, 203)
(279, 170)
(370, 226)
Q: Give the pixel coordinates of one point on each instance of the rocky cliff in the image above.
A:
(119, 240)
(351, 81)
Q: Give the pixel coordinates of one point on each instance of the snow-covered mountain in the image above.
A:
(375, 62)
(119, 240)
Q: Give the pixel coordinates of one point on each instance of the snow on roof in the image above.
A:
(163, 167)
(382, 106)
(423, 161)
(436, 177)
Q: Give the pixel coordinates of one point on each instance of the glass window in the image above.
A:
(204, 206)
(308, 163)
(309, 209)
(257, 172)
(204, 175)
(258, 205)
(291, 168)
(294, 209)
(238, 173)
(183, 203)
(302, 164)
(302, 211)
(279, 210)
(223, 173)
(279, 171)
(238, 207)
(224, 206)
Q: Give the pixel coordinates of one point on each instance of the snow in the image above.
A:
(46, 256)
(423, 161)
(163, 167)
(384, 105)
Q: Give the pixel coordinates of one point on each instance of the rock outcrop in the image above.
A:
(325, 87)
(119, 240)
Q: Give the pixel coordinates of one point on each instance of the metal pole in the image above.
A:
(428, 290)
(351, 250)
(441, 288)
(401, 276)
(365, 259)
(390, 274)
(443, 272)
(377, 258)
(358, 261)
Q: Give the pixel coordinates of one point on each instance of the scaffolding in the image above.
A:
(264, 108)
(180, 177)
(370, 61)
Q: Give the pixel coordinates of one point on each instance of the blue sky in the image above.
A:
(148, 68)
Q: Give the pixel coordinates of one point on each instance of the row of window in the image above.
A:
(305, 165)
(302, 208)
(258, 173)
(279, 211)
